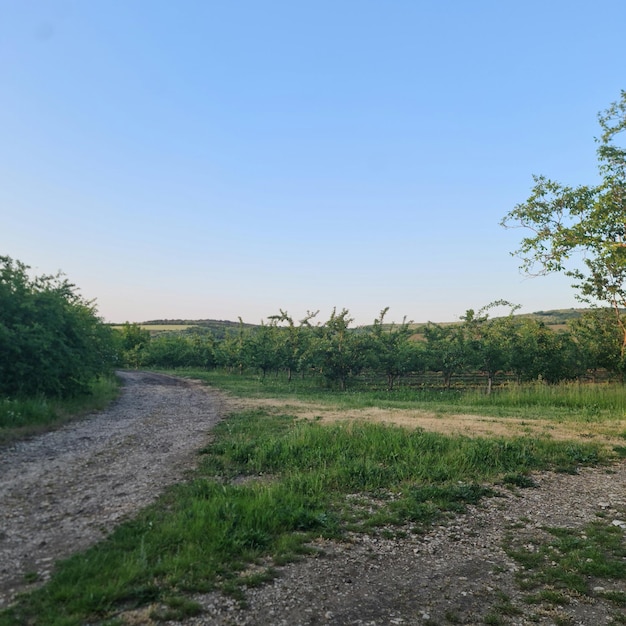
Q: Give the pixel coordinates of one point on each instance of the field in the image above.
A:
(159, 328)
(292, 465)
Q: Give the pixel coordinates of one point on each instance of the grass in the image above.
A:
(577, 402)
(561, 565)
(269, 484)
(21, 418)
(266, 486)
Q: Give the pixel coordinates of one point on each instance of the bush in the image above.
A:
(52, 342)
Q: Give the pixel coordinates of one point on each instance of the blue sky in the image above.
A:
(204, 159)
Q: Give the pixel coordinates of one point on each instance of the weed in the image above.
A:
(568, 562)
(519, 480)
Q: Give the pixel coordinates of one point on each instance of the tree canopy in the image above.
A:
(587, 219)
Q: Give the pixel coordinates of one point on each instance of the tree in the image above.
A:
(133, 341)
(392, 350)
(173, 350)
(591, 220)
(51, 340)
(446, 350)
(534, 350)
(295, 342)
(261, 348)
(229, 352)
(339, 352)
(599, 340)
(489, 341)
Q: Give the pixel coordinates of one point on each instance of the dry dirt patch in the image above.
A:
(605, 433)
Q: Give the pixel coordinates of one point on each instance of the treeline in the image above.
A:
(53, 343)
(518, 347)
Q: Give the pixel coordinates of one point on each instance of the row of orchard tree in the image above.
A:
(518, 347)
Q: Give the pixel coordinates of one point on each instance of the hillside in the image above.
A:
(554, 318)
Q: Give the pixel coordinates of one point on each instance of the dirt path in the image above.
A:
(63, 491)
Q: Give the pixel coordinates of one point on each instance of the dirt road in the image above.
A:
(63, 491)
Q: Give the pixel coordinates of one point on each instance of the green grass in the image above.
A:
(567, 563)
(265, 487)
(26, 417)
(572, 402)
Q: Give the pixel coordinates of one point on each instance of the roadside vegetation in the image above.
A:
(56, 354)
(22, 417)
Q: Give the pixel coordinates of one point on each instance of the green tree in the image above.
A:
(339, 353)
(534, 349)
(173, 350)
(133, 341)
(392, 350)
(599, 340)
(51, 340)
(588, 220)
(446, 350)
(294, 342)
(489, 341)
(261, 348)
(229, 352)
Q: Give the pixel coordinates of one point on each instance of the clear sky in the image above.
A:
(216, 159)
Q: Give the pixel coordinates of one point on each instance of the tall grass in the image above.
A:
(21, 417)
(565, 401)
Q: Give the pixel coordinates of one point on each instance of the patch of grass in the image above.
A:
(175, 608)
(24, 417)
(620, 451)
(568, 562)
(523, 481)
(569, 402)
(504, 606)
(616, 597)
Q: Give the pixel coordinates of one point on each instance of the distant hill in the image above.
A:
(219, 328)
(554, 318)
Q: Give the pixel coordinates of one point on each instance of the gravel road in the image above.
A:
(65, 490)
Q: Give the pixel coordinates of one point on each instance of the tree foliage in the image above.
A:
(51, 340)
(392, 350)
(588, 219)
